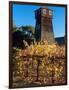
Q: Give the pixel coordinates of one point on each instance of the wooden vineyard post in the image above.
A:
(37, 69)
(38, 64)
(52, 69)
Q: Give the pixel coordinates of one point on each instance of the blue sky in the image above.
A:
(24, 15)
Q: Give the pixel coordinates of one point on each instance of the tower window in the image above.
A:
(50, 12)
(44, 11)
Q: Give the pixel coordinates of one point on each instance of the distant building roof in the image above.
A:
(60, 40)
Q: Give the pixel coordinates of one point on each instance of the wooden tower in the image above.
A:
(44, 27)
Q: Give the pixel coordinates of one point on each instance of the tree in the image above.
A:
(29, 27)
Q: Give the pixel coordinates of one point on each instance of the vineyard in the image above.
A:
(39, 64)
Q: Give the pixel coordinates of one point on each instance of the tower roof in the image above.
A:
(44, 7)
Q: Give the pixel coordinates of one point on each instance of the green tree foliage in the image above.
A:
(29, 27)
